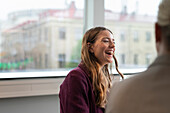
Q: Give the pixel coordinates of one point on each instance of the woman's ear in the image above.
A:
(90, 47)
(157, 37)
(157, 33)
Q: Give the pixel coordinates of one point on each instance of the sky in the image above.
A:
(144, 7)
(7, 6)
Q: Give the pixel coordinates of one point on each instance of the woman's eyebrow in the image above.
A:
(109, 38)
(106, 38)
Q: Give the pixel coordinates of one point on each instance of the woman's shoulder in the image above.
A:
(77, 72)
(76, 79)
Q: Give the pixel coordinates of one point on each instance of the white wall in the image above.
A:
(36, 104)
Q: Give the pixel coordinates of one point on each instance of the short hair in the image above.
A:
(164, 21)
(165, 34)
(164, 13)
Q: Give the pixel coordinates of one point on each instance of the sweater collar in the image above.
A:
(84, 68)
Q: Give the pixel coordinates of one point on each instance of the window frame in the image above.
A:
(93, 16)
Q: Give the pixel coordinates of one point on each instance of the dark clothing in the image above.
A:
(76, 94)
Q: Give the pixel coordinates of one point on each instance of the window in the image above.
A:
(54, 32)
(40, 35)
(136, 36)
(122, 58)
(137, 18)
(148, 36)
(136, 59)
(46, 61)
(62, 33)
(33, 39)
(40, 60)
(46, 33)
(148, 58)
(122, 36)
(78, 33)
(62, 60)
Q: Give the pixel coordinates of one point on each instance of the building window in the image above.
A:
(36, 62)
(148, 36)
(136, 59)
(62, 33)
(78, 33)
(148, 58)
(136, 36)
(46, 33)
(46, 60)
(40, 60)
(122, 36)
(62, 60)
(39, 34)
(122, 58)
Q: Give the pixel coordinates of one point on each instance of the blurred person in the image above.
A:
(148, 92)
(85, 88)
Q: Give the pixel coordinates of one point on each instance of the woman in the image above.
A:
(85, 88)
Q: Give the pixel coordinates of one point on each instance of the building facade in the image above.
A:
(53, 39)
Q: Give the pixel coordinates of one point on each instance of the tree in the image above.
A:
(76, 56)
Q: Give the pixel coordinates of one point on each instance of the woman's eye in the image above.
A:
(105, 40)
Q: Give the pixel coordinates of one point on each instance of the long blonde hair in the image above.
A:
(101, 80)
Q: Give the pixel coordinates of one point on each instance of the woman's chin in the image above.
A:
(110, 61)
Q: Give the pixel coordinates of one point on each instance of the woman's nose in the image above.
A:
(112, 44)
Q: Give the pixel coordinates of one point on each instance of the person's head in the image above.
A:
(162, 28)
(98, 46)
(97, 51)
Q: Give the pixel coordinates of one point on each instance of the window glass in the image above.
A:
(148, 58)
(135, 58)
(122, 59)
(40, 35)
(135, 36)
(148, 36)
(78, 33)
(132, 23)
(62, 33)
(122, 36)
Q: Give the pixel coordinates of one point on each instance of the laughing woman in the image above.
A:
(85, 88)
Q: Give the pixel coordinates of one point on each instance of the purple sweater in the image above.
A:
(76, 94)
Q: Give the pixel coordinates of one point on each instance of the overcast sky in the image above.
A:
(149, 7)
(144, 6)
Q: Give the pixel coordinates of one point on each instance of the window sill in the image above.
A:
(30, 87)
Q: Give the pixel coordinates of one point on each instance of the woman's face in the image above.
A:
(104, 47)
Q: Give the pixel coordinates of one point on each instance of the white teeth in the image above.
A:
(109, 52)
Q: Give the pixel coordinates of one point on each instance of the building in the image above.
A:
(51, 40)
(134, 36)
